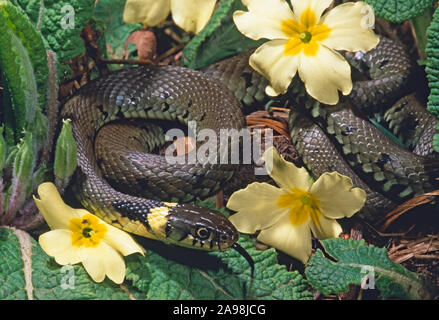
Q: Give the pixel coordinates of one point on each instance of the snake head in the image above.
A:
(195, 227)
(201, 228)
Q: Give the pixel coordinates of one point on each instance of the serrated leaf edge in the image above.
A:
(411, 284)
(26, 250)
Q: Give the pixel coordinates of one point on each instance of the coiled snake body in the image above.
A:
(113, 155)
(341, 138)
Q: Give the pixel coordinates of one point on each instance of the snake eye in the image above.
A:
(203, 233)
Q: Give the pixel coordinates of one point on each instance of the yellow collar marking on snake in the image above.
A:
(123, 223)
(157, 220)
(135, 227)
(170, 204)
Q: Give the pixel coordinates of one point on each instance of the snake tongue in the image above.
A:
(245, 254)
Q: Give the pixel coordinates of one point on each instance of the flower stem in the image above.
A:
(52, 111)
(1, 198)
(29, 218)
(15, 201)
(61, 184)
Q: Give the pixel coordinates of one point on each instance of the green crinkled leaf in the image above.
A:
(34, 44)
(399, 10)
(432, 69)
(220, 275)
(31, 7)
(436, 142)
(219, 39)
(49, 15)
(420, 26)
(271, 280)
(354, 261)
(11, 267)
(109, 14)
(23, 64)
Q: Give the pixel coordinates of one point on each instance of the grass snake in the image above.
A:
(120, 180)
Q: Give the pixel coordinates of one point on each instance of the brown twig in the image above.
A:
(265, 120)
(407, 206)
(418, 248)
(127, 61)
(219, 199)
(171, 51)
(275, 125)
(398, 234)
(173, 35)
(286, 110)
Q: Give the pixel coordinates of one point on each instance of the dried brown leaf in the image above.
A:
(145, 42)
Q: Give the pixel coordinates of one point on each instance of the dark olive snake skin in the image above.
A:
(328, 138)
(169, 93)
(341, 138)
(392, 174)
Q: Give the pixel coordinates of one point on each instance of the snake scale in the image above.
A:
(113, 153)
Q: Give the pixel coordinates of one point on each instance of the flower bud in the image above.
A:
(40, 129)
(25, 159)
(65, 152)
(10, 157)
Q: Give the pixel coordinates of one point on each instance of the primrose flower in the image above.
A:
(304, 41)
(78, 236)
(286, 216)
(190, 15)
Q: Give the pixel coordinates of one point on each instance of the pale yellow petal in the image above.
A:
(264, 19)
(257, 27)
(316, 6)
(56, 213)
(293, 240)
(122, 241)
(256, 207)
(269, 91)
(338, 199)
(273, 9)
(284, 173)
(271, 62)
(350, 25)
(92, 261)
(148, 12)
(58, 244)
(326, 228)
(103, 261)
(69, 256)
(325, 74)
(192, 15)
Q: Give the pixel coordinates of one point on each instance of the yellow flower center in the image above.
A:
(87, 231)
(305, 34)
(302, 205)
